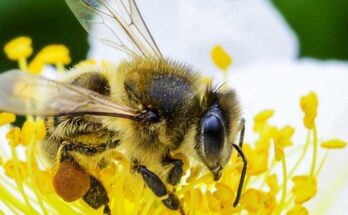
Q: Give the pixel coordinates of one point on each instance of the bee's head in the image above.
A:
(216, 131)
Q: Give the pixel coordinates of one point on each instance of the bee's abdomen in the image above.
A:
(77, 131)
(80, 131)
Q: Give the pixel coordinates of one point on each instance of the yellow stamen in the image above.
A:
(297, 210)
(284, 189)
(213, 202)
(305, 188)
(257, 160)
(304, 152)
(223, 192)
(315, 150)
(19, 49)
(53, 54)
(272, 183)
(30, 165)
(18, 175)
(221, 58)
(333, 144)
(282, 139)
(6, 118)
(11, 201)
(321, 165)
(309, 105)
(261, 119)
(89, 62)
(13, 137)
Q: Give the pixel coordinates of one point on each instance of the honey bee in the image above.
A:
(148, 107)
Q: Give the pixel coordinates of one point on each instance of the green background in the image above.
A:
(46, 22)
(321, 25)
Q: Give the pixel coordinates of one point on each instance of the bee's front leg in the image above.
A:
(170, 200)
(176, 172)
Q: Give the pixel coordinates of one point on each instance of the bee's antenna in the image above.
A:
(241, 153)
(241, 134)
(242, 176)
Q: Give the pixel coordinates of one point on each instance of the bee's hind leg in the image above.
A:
(242, 131)
(97, 196)
(72, 182)
(170, 200)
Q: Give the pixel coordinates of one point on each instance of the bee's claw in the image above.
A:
(107, 210)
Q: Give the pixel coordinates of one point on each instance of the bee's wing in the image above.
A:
(121, 20)
(27, 94)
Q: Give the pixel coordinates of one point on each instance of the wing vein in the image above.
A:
(124, 22)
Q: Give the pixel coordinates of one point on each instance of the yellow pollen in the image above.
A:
(89, 62)
(32, 129)
(52, 54)
(13, 137)
(213, 202)
(221, 58)
(258, 201)
(261, 119)
(9, 168)
(282, 139)
(257, 160)
(333, 144)
(7, 118)
(305, 188)
(297, 210)
(309, 105)
(18, 48)
(223, 192)
(272, 182)
(263, 115)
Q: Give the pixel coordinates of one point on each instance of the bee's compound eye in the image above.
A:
(213, 135)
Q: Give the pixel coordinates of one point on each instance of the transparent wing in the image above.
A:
(123, 25)
(23, 93)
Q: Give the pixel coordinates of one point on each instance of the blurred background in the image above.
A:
(321, 26)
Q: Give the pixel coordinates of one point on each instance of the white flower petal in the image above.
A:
(279, 86)
(250, 30)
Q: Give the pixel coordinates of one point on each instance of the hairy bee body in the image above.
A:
(176, 95)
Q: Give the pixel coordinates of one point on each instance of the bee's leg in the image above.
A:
(89, 150)
(175, 173)
(71, 181)
(96, 195)
(170, 200)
